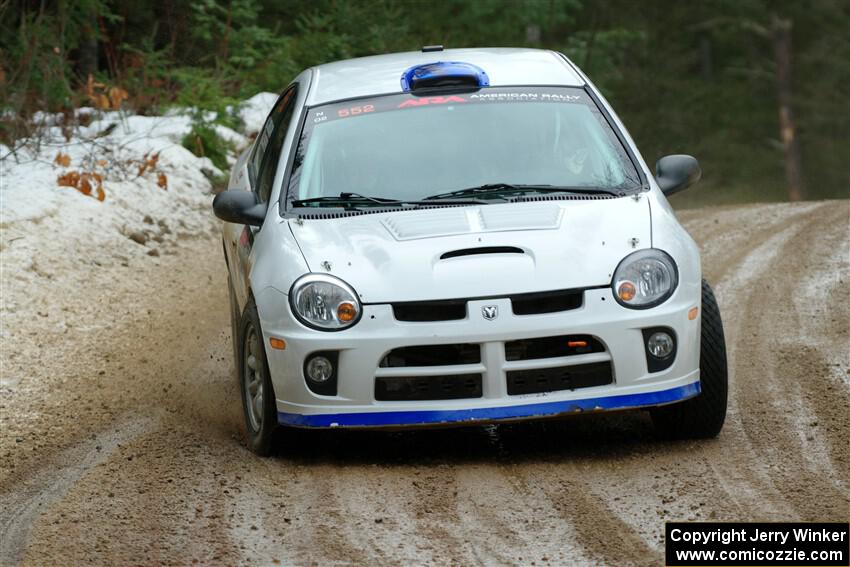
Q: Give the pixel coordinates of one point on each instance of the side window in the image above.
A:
(263, 164)
(259, 150)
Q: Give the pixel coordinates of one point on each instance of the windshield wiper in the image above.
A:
(348, 200)
(344, 198)
(499, 188)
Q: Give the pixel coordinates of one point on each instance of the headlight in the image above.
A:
(324, 302)
(645, 279)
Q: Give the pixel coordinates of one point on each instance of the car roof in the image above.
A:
(381, 74)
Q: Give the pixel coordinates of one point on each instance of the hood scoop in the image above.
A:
(482, 250)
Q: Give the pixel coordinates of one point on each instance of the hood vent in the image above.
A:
(482, 250)
(411, 226)
(530, 217)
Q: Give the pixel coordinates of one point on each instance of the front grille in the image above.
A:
(421, 388)
(552, 347)
(546, 302)
(521, 304)
(432, 355)
(419, 311)
(562, 378)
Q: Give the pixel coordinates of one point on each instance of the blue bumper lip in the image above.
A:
(475, 415)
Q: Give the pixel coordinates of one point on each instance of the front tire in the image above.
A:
(701, 417)
(258, 398)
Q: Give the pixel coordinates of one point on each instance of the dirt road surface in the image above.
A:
(120, 437)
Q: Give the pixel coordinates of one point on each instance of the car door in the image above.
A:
(262, 166)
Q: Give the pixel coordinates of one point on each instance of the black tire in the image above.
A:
(701, 417)
(261, 415)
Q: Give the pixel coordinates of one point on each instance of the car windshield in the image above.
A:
(408, 148)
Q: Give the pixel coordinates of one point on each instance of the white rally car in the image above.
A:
(460, 237)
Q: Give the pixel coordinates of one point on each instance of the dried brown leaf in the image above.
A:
(69, 179)
(84, 186)
(116, 96)
(63, 160)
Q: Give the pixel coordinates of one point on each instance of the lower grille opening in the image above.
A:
(420, 311)
(432, 355)
(562, 378)
(552, 347)
(547, 302)
(421, 388)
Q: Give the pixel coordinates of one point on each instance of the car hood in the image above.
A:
(489, 250)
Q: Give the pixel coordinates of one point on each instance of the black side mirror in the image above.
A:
(240, 207)
(677, 172)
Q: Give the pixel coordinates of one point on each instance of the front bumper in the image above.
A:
(362, 347)
(493, 414)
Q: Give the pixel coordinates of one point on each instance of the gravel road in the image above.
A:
(120, 427)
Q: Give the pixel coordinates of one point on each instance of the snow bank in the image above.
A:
(115, 146)
(30, 187)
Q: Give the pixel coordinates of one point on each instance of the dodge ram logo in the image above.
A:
(490, 312)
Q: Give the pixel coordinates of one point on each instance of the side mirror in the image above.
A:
(677, 172)
(240, 207)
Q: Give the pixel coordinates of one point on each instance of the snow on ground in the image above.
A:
(154, 192)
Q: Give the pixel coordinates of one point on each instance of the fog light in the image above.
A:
(660, 345)
(319, 369)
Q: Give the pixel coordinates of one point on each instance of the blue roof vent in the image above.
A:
(444, 74)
